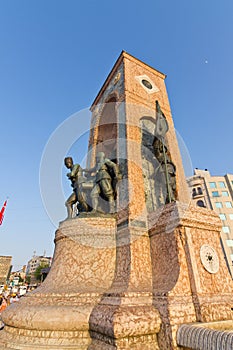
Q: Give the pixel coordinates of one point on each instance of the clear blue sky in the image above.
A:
(55, 55)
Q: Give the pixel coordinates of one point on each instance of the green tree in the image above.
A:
(21, 279)
(28, 279)
(37, 273)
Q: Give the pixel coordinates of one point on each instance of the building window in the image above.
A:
(231, 216)
(225, 193)
(199, 189)
(222, 184)
(194, 192)
(229, 242)
(212, 184)
(222, 216)
(228, 204)
(226, 229)
(218, 204)
(215, 194)
(200, 203)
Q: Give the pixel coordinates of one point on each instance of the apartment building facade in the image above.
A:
(5, 268)
(34, 263)
(216, 193)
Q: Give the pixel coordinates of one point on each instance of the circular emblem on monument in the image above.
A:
(147, 84)
(209, 258)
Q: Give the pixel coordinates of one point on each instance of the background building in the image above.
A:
(216, 193)
(18, 275)
(5, 268)
(34, 263)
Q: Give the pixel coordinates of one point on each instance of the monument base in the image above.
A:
(125, 318)
(188, 286)
(145, 342)
(130, 290)
(124, 327)
(56, 314)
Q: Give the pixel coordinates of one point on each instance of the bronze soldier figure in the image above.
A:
(77, 196)
(106, 177)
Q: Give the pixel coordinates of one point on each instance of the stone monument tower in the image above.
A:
(169, 252)
(131, 279)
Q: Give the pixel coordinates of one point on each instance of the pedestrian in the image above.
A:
(3, 305)
(13, 298)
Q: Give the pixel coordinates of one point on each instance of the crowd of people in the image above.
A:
(7, 298)
(3, 305)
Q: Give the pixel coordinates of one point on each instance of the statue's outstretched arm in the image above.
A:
(75, 170)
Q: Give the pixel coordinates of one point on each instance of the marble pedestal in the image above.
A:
(125, 318)
(98, 294)
(56, 315)
(187, 286)
(123, 288)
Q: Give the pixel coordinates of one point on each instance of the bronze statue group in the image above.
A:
(94, 190)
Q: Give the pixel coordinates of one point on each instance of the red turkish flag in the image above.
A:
(2, 212)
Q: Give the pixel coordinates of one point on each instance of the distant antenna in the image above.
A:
(44, 252)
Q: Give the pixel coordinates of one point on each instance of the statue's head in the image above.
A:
(100, 156)
(68, 162)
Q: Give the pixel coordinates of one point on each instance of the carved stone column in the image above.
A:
(125, 318)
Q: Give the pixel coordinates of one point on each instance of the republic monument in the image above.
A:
(147, 265)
